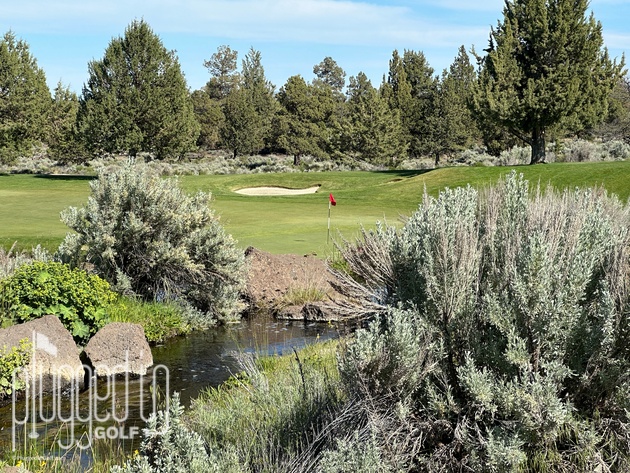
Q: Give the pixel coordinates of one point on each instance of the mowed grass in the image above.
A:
(30, 205)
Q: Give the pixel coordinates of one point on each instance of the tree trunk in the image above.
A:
(538, 146)
(235, 154)
(296, 159)
(437, 158)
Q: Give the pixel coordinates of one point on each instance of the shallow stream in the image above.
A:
(186, 365)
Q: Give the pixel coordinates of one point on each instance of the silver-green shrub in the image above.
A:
(169, 447)
(524, 297)
(390, 358)
(353, 455)
(144, 235)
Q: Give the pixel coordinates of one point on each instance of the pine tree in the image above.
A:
(327, 86)
(24, 99)
(328, 72)
(136, 99)
(545, 66)
(223, 72)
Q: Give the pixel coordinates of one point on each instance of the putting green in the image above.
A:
(30, 205)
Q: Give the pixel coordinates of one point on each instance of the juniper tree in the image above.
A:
(302, 119)
(452, 123)
(24, 98)
(259, 93)
(545, 66)
(209, 115)
(61, 135)
(372, 130)
(136, 99)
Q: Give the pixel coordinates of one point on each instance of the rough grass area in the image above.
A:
(266, 414)
(30, 208)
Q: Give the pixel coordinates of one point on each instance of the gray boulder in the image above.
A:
(54, 363)
(320, 312)
(119, 348)
(310, 312)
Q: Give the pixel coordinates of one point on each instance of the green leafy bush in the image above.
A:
(145, 236)
(10, 361)
(76, 297)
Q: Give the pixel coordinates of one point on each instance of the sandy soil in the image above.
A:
(276, 191)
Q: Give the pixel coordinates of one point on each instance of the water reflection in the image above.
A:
(186, 365)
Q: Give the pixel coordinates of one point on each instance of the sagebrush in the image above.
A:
(147, 237)
(522, 300)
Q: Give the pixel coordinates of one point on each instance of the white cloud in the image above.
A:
(341, 22)
(469, 5)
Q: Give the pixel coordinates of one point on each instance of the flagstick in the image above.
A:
(328, 237)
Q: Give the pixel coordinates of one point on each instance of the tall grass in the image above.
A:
(273, 410)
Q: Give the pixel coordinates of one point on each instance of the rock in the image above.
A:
(310, 312)
(319, 312)
(55, 362)
(270, 276)
(119, 348)
(292, 312)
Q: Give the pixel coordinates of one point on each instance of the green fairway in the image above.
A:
(30, 205)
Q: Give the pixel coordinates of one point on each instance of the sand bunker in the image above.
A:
(276, 191)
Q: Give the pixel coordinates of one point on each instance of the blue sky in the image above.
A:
(292, 35)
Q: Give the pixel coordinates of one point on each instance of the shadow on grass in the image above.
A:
(66, 177)
(405, 173)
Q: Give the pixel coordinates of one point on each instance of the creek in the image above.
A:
(188, 365)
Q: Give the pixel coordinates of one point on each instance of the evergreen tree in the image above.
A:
(397, 91)
(327, 86)
(61, 136)
(240, 131)
(417, 114)
(259, 92)
(617, 124)
(372, 131)
(209, 115)
(328, 72)
(223, 72)
(453, 124)
(209, 103)
(24, 99)
(136, 99)
(545, 66)
(302, 119)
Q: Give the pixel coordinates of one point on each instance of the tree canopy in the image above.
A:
(545, 66)
(136, 99)
(24, 98)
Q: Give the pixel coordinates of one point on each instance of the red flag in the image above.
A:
(332, 200)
